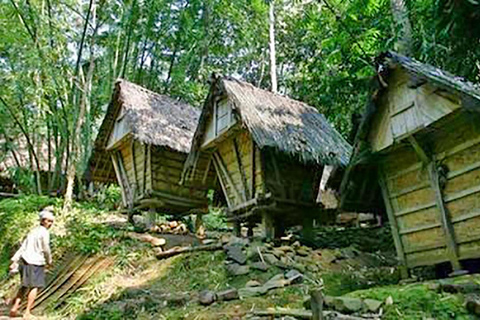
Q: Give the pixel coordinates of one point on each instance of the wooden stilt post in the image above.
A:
(316, 302)
(393, 225)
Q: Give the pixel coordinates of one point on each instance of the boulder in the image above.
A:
(236, 241)
(302, 252)
(207, 297)
(252, 283)
(286, 249)
(227, 295)
(270, 258)
(293, 276)
(260, 266)
(235, 253)
(277, 281)
(278, 253)
(344, 304)
(252, 292)
(372, 305)
(237, 270)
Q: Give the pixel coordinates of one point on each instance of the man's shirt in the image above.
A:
(35, 248)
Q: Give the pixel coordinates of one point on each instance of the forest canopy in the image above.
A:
(59, 60)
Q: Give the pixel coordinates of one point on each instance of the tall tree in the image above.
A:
(403, 26)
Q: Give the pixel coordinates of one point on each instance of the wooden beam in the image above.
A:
(123, 172)
(119, 178)
(135, 174)
(222, 183)
(224, 171)
(243, 179)
(144, 169)
(205, 175)
(149, 162)
(393, 225)
(419, 150)
(254, 170)
(444, 217)
(177, 198)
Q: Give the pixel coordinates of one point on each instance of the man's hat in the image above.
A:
(45, 214)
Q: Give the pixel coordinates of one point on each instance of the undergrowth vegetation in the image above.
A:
(135, 286)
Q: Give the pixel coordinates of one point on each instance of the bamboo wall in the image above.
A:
(151, 172)
(416, 213)
(237, 162)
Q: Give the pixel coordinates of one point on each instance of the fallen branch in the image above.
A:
(154, 241)
(175, 251)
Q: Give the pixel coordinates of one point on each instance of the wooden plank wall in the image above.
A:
(456, 145)
(167, 167)
(405, 108)
(237, 179)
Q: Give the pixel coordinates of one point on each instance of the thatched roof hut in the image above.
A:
(418, 147)
(147, 136)
(268, 150)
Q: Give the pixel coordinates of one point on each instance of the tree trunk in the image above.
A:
(71, 170)
(273, 63)
(403, 27)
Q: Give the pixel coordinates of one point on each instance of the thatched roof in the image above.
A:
(276, 121)
(362, 164)
(153, 118)
(432, 74)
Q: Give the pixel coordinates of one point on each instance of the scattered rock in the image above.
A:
(296, 244)
(252, 283)
(226, 295)
(347, 305)
(286, 249)
(207, 297)
(277, 281)
(208, 241)
(389, 301)
(302, 252)
(260, 266)
(300, 267)
(328, 256)
(252, 291)
(278, 253)
(294, 277)
(236, 241)
(235, 253)
(252, 254)
(237, 270)
(372, 305)
(270, 258)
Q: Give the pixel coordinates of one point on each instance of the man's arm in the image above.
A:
(46, 248)
(16, 257)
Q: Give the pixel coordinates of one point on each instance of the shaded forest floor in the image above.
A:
(139, 286)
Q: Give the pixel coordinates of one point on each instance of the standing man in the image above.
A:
(30, 261)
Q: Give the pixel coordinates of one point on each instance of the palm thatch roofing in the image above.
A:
(153, 119)
(276, 121)
(362, 159)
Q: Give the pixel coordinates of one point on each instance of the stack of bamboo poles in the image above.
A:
(72, 272)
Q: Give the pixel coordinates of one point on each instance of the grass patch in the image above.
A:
(416, 301)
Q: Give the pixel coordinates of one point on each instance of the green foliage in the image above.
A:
(107, 198)
(417, 302)
(215, 220)
(338, 283)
